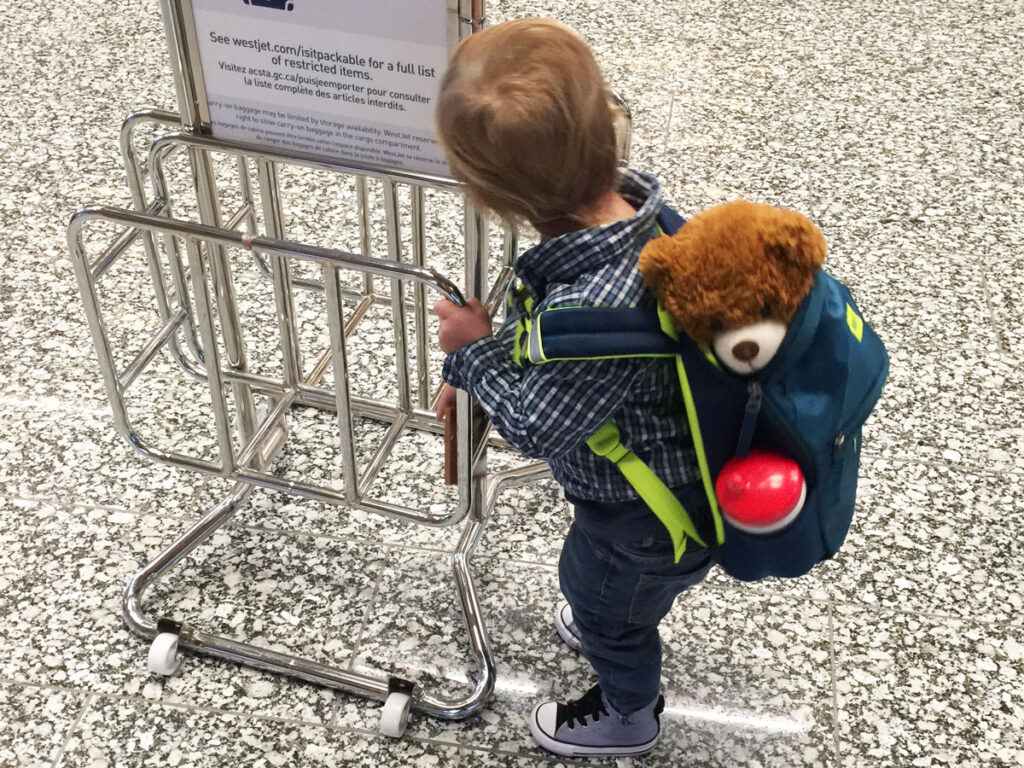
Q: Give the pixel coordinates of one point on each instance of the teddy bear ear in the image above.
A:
(657, 260)
(795, 240)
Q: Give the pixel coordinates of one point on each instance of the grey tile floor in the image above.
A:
(896, 126)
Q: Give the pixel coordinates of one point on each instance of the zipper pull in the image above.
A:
(755, 396)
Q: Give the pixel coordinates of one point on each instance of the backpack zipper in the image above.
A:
(755, 397)
(861, 414)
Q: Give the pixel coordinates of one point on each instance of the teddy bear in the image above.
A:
(733, 277)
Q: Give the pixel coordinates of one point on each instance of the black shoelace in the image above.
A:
(589, 705)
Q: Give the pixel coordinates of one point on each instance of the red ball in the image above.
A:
(761, 492)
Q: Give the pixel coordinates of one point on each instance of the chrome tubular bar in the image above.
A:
(151, 349)
(224, 289)
(136, 177)
(213, 369)
(246, 463)
(267, 245)
(419, 248)
(343, 399)
(394, 239)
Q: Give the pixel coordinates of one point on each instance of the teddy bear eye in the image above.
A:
(766, 310)
(717, 325)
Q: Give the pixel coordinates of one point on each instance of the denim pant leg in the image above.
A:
(619, 591)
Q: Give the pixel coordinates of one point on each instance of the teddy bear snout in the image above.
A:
(748, 348)
(746, 351)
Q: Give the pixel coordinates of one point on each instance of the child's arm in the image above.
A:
(545, 410)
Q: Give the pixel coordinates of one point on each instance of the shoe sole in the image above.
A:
(566, 749)
(567, 636)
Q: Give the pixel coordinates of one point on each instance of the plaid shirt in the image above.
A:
(549, 411)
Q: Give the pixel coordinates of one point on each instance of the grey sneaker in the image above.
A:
(590, 727)
(566, 627)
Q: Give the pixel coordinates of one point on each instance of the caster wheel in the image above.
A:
(164, 658)
(395, 716)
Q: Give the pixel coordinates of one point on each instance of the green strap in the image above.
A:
(669, 328)
(606, 442)
(652, 490)
(523, 327)
(698, 446)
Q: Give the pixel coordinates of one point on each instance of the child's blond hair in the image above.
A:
(525, 121)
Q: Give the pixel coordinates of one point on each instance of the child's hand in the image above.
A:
(461, 325)
(445, 402)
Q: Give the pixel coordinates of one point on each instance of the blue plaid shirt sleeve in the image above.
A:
(504, 336)
(545, 411)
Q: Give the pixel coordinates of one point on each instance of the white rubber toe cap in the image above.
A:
(542, 728)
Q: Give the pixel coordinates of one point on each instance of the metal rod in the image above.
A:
(472, 459)
(158, 180)
(181, 65)
(292, 666)
(343, 402)
(180, 282)
(98, 329)
(224, 288)
(273, 419)
(114, 252)
(273, 219)
(476, 235)
(476, 628)
(387, 444)
(134, 617)
(150, 350)
(623, 121)
(245, 212)
(195, 232)
(319, 369)
(400, 327)
(205, 315)
(365, 245)
(360, 311)
(471, 17)
(383, 508)
(248, 202)
(420, 299)
(128, 128)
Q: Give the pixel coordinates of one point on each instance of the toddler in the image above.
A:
(525, 120)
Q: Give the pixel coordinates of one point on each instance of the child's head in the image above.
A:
(525, 121)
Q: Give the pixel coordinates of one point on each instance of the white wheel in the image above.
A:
(163, 654)
(395, 715)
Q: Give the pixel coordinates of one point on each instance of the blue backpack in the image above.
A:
(808, 403)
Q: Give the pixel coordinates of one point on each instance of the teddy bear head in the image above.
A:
(733, 277)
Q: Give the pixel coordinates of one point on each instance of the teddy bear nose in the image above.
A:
(746, 351)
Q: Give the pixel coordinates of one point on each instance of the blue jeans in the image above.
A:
(618, 573)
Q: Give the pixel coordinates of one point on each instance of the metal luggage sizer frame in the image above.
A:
(192, 278)
(200, 328)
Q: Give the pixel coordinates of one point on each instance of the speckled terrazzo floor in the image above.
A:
(896, 126)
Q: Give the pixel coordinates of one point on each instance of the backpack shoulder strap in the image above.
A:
(662, 502)
(582, 333)
(669, 221)
(596, 333)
